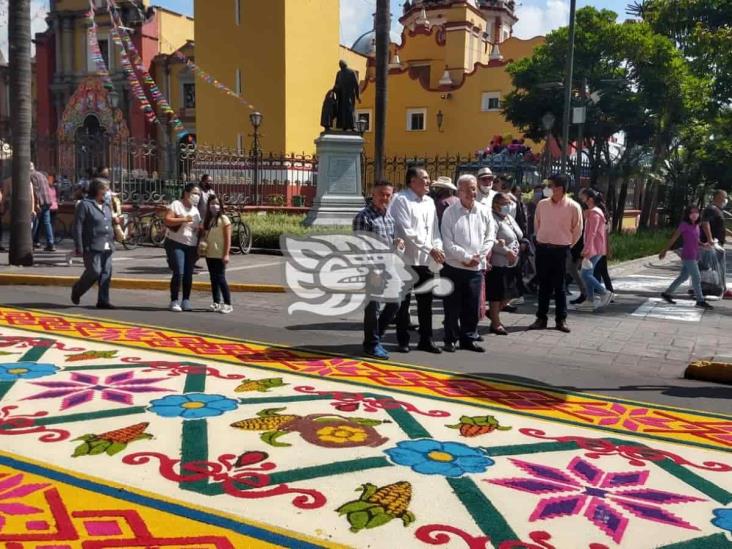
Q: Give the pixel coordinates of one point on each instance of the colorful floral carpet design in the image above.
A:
(113, 435)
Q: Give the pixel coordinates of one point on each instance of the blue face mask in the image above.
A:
(505, 210)
(108, 197)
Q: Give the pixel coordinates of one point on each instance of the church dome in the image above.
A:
(364, 44)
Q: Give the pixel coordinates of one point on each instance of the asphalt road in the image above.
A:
(636, 349)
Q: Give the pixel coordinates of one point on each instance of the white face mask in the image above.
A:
(548, 192)
(506, 209)
(107, 197)
(195, 199)
(724, 204)
(215, 208)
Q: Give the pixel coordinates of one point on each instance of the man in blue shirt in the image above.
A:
(375, 218)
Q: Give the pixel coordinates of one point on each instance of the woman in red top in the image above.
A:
(595, 247)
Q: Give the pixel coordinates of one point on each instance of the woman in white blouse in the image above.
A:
(184, 223)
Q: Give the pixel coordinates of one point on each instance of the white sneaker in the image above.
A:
(175, 307)
(585, 307)
(518, 301)
(186, 305)
(215, 307)
(226, 309)
(606, 298)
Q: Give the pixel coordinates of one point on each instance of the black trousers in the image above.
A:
(424, 310)
(601, 273)
(462, 306)
(551, 269)
(219, 286)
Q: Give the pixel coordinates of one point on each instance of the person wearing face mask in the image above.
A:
(689, 231)
(181, 245)
(216, 249)
(713, 229)
(500, 286)
(558, 224)
(485, 187)
(594, 249)
(94, 240)
(206, 192)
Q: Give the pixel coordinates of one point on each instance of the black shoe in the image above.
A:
(429, 347)
(667, 298)
(107, 306)
(510, 309)
(75, 299)
(480, 338)
(704, 305)
(413, 327)
(403, 348)
(449, 347)
(49, 249)
(562, 326)
(36, 245)
(3, 249)
(581, 299)
(472, 346)
(539, 324)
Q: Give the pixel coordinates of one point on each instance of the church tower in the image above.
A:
(281, 56)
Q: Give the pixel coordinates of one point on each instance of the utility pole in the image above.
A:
(382, 25)
(568, 86)
(581, 132)
(19, 39)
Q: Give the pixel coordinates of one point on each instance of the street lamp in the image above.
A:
(362, 125)
(568, 85)
(256, 120)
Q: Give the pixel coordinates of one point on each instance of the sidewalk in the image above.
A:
(145, 268)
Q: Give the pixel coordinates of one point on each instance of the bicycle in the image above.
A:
(241, 233)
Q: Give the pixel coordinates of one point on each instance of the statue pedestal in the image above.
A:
(339, 195)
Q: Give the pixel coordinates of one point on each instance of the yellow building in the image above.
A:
(281, 55)
(447, 77)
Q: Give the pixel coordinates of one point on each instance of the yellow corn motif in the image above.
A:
(394, 498)
(271, 423)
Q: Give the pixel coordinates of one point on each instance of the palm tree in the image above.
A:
(19, 35)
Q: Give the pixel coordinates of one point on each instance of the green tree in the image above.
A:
(647, 94)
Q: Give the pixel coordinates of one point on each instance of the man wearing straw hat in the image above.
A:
(443, 193)
(485, 187)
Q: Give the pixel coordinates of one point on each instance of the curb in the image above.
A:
(710, 370)
(131, 283)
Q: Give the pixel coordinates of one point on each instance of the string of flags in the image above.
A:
(206, 77)
(138, 64)
(135, 85)
(94, 50)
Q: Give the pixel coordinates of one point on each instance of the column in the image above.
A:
(57, 35)
(68, 45)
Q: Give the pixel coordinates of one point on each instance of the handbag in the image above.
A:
(203, 244)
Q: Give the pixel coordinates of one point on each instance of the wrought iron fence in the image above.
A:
(145, 171)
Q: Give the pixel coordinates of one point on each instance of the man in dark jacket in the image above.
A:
(94, 239)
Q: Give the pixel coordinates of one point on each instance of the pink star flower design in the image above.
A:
(12, 488)
(598, 495)
(117, 388)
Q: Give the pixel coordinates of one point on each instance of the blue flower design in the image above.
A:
(26, 370)
(192, 405)
(723, 519)
(431, 457)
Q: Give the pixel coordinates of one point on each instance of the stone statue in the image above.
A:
(346, 89)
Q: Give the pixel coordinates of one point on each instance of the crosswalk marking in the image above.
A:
(684, 310)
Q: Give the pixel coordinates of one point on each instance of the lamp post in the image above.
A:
(568, 85)
(547, 122)
(256, 120)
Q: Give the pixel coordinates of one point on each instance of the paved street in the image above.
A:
(637, 349)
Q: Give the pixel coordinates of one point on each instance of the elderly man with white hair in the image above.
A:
(468, 235)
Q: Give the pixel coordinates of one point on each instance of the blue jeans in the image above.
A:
(43, 217)
(689, 268)
(180, 260)
(592, 285)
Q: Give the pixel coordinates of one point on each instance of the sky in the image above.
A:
(536, 17)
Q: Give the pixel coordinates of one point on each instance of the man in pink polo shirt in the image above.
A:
(558, 227)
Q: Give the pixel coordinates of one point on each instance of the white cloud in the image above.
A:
(39, 10)
(539, 20)
(357, 17)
